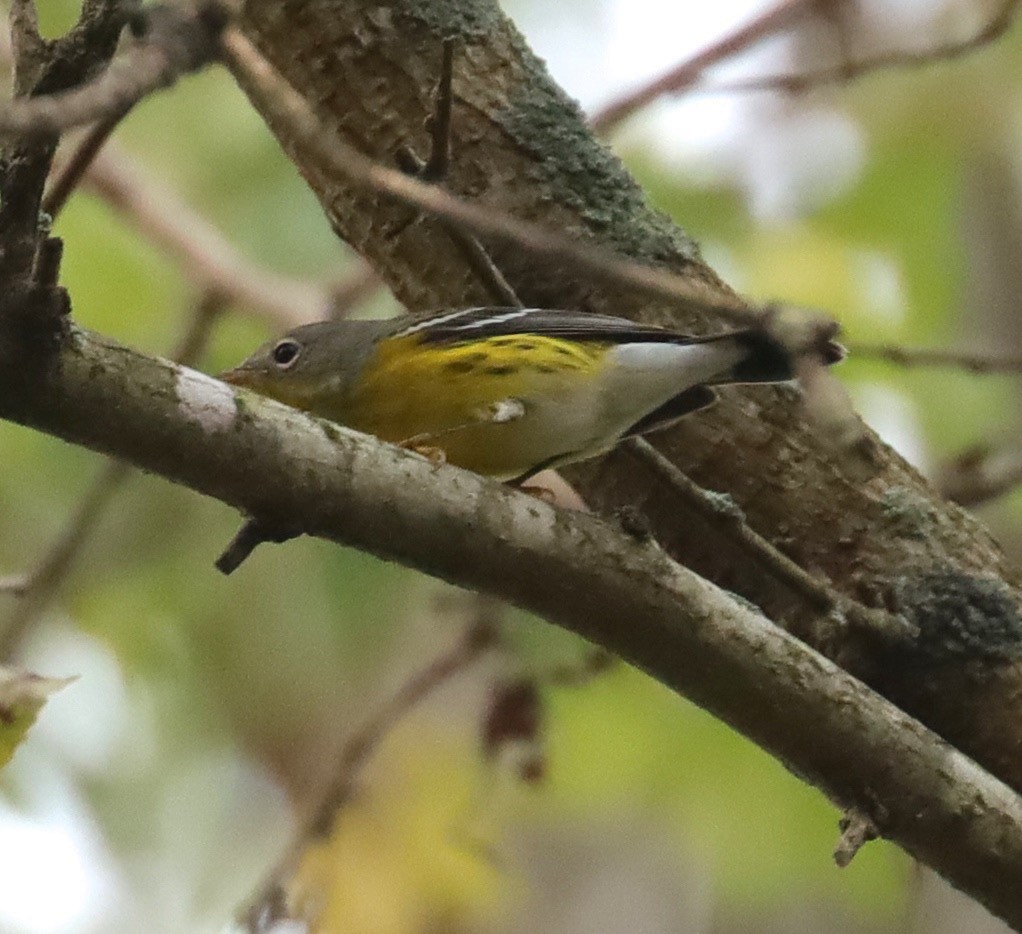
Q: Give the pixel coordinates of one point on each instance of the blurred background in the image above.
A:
(155, 792)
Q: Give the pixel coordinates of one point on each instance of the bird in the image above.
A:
(507, 392)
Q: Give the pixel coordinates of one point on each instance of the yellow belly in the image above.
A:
(456, 398)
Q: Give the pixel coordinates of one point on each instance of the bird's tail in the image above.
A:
(767, 360)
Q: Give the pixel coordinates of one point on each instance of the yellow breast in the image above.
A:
(444, 396)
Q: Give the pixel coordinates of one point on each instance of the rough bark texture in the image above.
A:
(867, 521)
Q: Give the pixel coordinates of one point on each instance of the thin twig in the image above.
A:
(725, 515)
(14, 585)
(434, 169)
(340, 160)
(581, 673)
(178, 40)
(974, 361)
(208, 258)
(73, 170)
(885, 61)
(684, 76)
(481, 263)
(42, 583)
(980, 475)
(40, 586)
(480, 636)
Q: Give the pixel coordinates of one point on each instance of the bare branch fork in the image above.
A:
(171, 41)
(1001, 21)
(685, 76)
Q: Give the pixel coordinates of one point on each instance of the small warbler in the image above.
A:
(507, 391)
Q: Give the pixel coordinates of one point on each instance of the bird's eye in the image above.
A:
(285, 353)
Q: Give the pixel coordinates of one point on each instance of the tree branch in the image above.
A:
(205, 255)
(782, 15)
(980, 474)
(173, 41)
(894, 59)
(972, 361)
(620, 592)
(40, 585)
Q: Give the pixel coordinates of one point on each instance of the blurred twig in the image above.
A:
(481, 635)
(173, 40)
(580, 673)
(207, 256)
(724, 514)
(684, 76)
(896, 59)
(36, 589)
(980, 474)
(15, 585)
(783, 15)
(72, 170)
(974, 361)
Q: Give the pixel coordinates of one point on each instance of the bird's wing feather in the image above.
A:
(478, 323)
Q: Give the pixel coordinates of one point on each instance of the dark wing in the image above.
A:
(686, 402)
(477, 323)
(767, 360)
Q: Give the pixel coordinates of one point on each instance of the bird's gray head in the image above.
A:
(311, 367)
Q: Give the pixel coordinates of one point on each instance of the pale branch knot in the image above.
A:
(857, 829)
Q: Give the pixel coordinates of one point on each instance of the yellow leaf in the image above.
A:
(22, 695)
(404, 855)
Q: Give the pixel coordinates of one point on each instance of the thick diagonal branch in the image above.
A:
(620, 592)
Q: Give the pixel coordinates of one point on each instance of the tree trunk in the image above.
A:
(864, 519)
